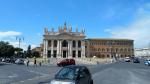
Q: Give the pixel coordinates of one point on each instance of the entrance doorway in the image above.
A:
(49, 54)
(55, 53)
(74, 54)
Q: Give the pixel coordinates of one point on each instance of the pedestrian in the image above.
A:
(40, 63)
(27, 60)
(35, 62)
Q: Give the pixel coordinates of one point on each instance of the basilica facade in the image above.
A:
(63, 43)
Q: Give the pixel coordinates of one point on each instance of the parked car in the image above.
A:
(73, 74)
(127, 59)
(147, 62)
(19, 61)
(3, 59)
(66, 62)
(7, 60)
(136, 60)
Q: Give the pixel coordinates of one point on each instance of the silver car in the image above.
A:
(73, 74)
(19, 61)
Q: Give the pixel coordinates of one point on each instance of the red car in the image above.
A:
(66, 62)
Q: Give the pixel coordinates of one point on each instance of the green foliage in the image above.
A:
(18, 49)
(6, 50)
(28, 53)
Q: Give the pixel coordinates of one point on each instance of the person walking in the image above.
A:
(27, 62)
(35, 64)
(40, 63)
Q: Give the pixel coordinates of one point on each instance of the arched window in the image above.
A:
(116, 49)
(107, 56)
(107, 49)
(103, 50)
(99, 49)
(64, 43)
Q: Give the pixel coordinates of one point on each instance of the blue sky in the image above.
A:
(100, 18)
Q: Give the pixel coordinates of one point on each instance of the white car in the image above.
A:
(127, 59)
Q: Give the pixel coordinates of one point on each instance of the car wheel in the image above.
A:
(91, 82)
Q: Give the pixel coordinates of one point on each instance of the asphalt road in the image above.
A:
(115, 73)
(123, 73)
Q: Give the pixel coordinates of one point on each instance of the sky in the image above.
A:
(26, 19)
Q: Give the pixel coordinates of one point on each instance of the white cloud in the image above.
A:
(10, 36)
(138, 30)
(23, 45)
(9, 33)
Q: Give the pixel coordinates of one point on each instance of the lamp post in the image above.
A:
(19, 39)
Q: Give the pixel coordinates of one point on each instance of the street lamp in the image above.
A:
(19, 39)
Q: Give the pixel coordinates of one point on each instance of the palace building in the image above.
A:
(108, 48)
(64, 43)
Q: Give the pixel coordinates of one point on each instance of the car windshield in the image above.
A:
(66, 73)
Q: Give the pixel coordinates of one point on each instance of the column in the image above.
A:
(71, 48)
(52, 48)
(44, 50)
(58, 48)
(76, 48)
(60, 51)
(83, 49)
(68, 50)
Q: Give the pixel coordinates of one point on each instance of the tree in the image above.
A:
(29, 54)
(6, 50)
(36, 54)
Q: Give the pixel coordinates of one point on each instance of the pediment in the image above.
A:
(64, 34)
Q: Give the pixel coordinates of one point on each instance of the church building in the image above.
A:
(64, 43)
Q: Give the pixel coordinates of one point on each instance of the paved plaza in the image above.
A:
(114, 73)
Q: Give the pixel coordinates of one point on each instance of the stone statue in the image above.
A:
(65, 27)
(76, 29)
(70, 29)
(83, 31)
(45, 30)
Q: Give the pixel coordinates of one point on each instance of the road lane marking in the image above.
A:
(21, 81)
(13, 76)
